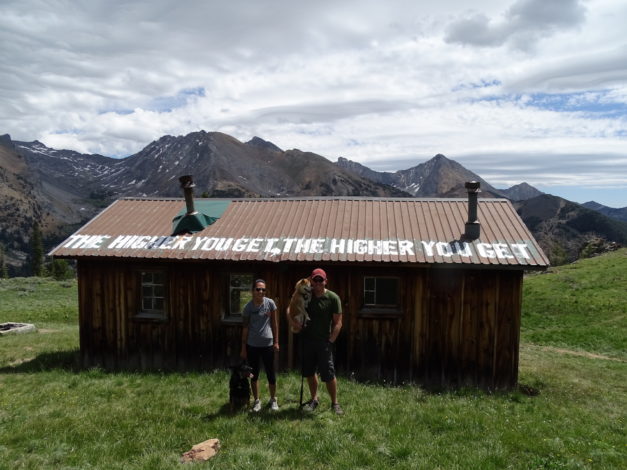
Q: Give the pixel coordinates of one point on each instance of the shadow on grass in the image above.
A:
(517, 390)
(70, 361)
(286, 412)
(58, 360)
(430, 389)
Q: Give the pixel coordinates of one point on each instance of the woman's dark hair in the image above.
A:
(258, 281)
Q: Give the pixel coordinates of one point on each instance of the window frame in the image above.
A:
(152, 314)
(228, 316)
(377, 309)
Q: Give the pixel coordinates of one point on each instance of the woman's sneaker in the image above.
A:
(311, 405)
(256, 406)
(274, 406)
(337, 409)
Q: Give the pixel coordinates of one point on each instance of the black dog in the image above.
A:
(239, 386)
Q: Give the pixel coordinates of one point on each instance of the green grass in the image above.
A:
(52, 307)
(580, 306)
(53, 415)
(42, 301)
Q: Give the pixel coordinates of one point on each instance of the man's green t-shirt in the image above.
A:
(321, 310)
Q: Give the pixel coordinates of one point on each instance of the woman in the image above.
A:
(260, 339)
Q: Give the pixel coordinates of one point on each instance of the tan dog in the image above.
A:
(300, 300)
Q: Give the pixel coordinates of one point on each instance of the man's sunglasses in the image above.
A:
(260, 289)
(318, 279)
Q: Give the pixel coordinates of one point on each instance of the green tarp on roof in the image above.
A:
(207, 212)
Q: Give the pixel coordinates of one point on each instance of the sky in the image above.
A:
(514, 90)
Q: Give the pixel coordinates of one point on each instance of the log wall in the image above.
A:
(455, 327)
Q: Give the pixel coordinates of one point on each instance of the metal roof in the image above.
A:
(333, 229)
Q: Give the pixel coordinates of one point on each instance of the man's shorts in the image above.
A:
(318, 355)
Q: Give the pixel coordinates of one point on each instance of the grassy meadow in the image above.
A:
(53, 415)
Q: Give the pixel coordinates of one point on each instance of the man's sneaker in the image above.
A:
(256, 406)
(337, 409)
(311, 405)
(274, 406)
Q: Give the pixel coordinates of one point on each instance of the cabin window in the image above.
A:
(153, 295)
(381, 294)
(239, 294)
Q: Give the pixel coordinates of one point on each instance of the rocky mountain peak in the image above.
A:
(521, 192)
(263, 144)
(593, 205)
(6, 140)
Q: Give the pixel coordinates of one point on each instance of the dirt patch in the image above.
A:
(580, 353)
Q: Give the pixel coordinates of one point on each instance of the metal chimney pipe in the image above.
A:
(473, 227)
(188, 188)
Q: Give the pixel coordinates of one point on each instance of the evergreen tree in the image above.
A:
(37, 252)
(4, 269)
(60, 269)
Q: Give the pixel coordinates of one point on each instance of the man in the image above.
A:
(318, 336)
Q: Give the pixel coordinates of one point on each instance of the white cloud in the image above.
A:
(389, 84)
(524, 23)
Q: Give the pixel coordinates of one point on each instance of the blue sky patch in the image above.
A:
(596, 104)
(169, 103)
(121, 112)
(480, 84)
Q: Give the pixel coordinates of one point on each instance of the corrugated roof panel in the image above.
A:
(486, 234)
(270, 219)
(371, 228)
(352, 211)
(388, 216)
(248, 229)
(451, 231)
(304, 229)
(435, 225)
(301, 232)
(334, 227)
(504, 235)
(461, 216)
(320, 225)
(510, 232)
(345, 224)
(369, 223)
(313, 229)
(407, 226)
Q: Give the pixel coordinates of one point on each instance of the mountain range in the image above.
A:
(61, 189)
(618, 214)
(438, 177)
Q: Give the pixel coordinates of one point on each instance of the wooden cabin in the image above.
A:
(431, 288)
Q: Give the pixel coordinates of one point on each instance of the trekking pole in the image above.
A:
(302, 369)
(302, 361)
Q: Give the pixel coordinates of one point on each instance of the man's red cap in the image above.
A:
(318, 272)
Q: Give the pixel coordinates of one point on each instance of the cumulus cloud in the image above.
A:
(389, 84)
(525, 22)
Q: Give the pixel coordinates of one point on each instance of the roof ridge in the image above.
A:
(315, 198)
